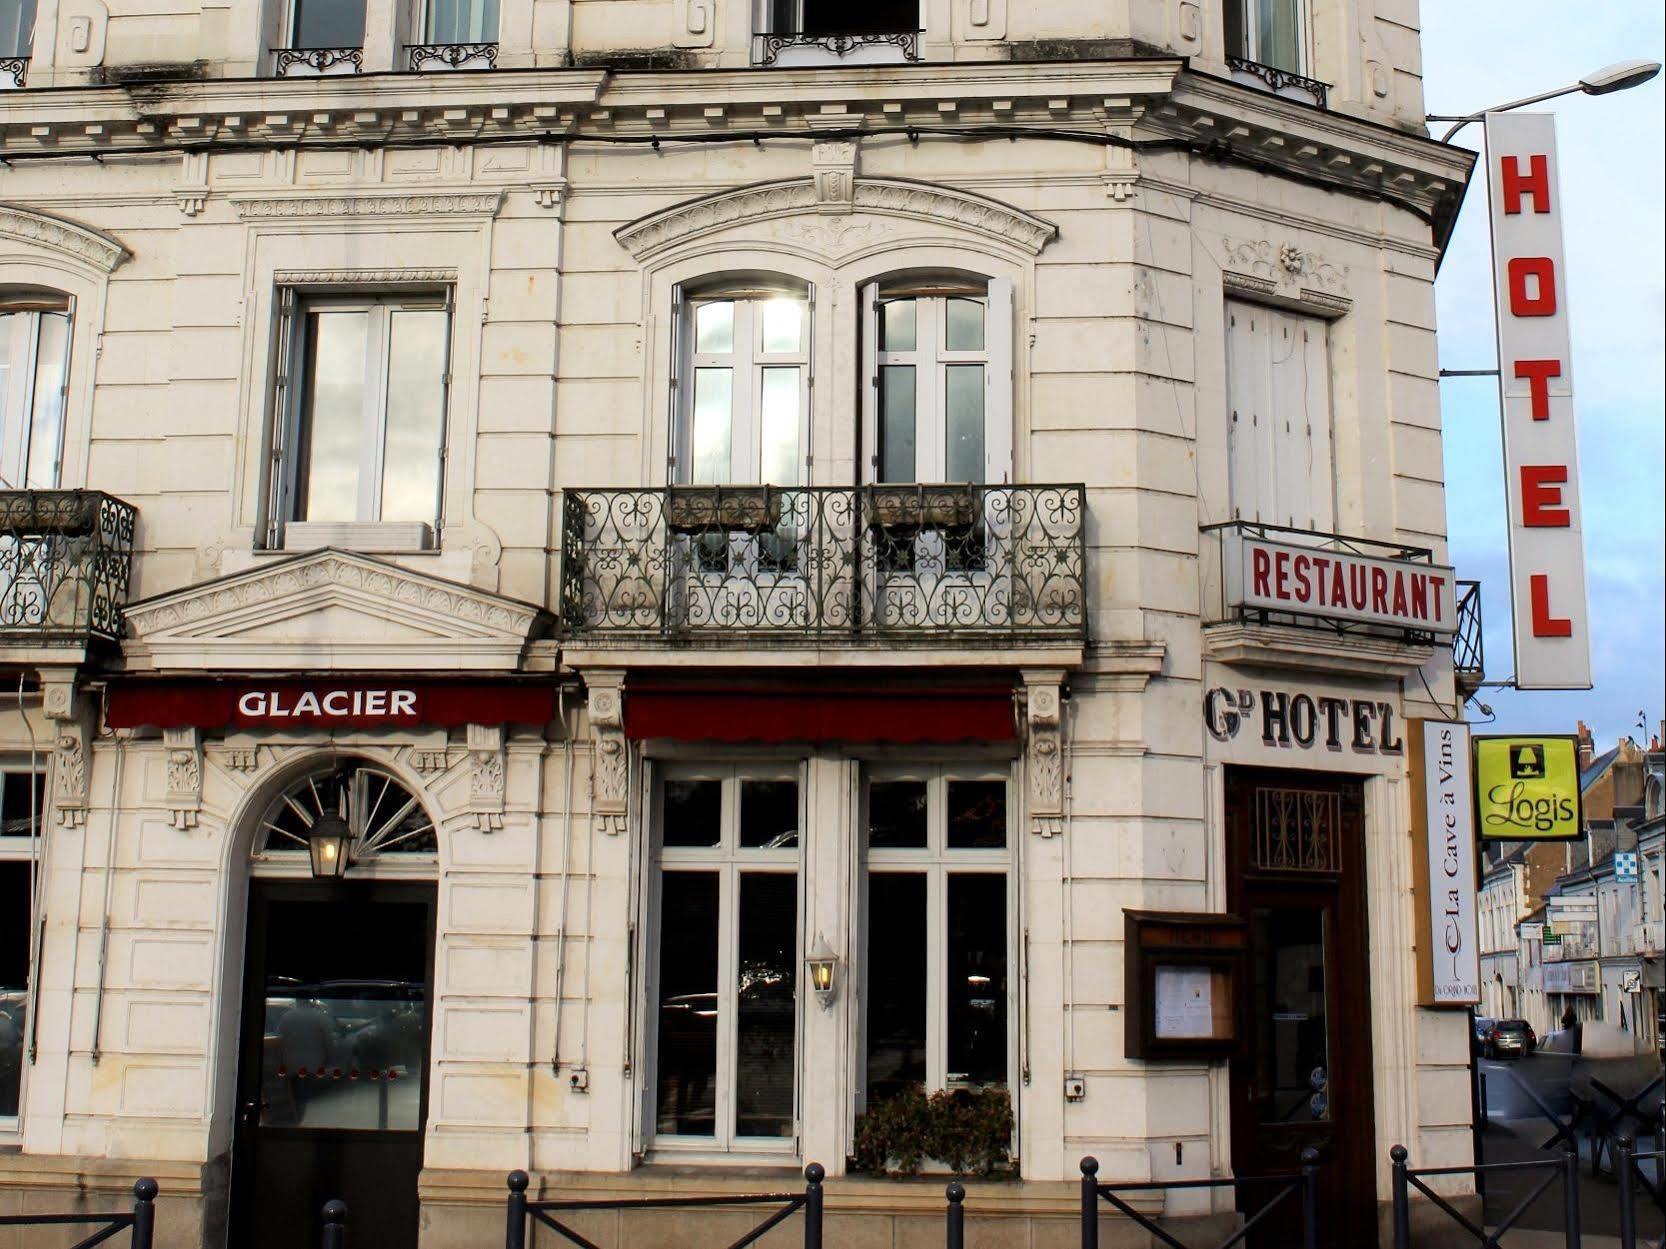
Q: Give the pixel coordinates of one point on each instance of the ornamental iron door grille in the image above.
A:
(1297, 830)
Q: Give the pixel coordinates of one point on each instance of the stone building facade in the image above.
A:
(710, 493)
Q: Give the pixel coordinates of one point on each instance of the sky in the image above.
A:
(1478, 53)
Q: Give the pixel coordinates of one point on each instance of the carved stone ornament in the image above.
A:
(192, 193)
(834, 161)
(183, 748)
(77, 242)
(1044, 761)
(69, 774)
(487, 782)
(429, 762)
(240, 758)
(610, 771)
(446, 203)
(1259, 266)
(363, 277)
(893, 197)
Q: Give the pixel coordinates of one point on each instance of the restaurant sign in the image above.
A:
(1448, 953)
(1527, 788)
(1339, 585)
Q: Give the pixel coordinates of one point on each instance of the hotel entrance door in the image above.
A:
(331, 1089)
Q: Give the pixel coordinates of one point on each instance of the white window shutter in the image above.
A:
(807, 404)
(1000, 382)
(868, 302)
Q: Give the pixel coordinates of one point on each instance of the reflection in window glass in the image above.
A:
(14, 979)
(965, 324)
(977, 815)
(714, 328)
(780, 426)
(897, 815)
(897, 330)
(1278, 33)
(713, 390)
(332, 431)
(896, 983)
(46, 428)
(768, 814)
(688, 1003)
(896, 423)
(766, 997)
(977, 979)
(1292, 1065)
(19, 808)
(693, 813)
(34, 354)
(965, 422)
(783, 325)
(462, 21)
(329, 23)
(17, 28)
(415, 415)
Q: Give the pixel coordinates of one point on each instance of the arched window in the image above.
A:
(34, 365)
(385, 817)
(937, 393)
(742, 381)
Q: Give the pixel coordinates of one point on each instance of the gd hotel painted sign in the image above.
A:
(1303, 721)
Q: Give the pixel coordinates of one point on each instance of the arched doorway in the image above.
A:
(332, 1093)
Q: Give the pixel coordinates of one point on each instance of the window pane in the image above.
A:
(17, 28)
(714, 328)
(713, 405)
(977, 979)
(693, 813)
(965, 324)
(346, 1056)
(333, 423)
(977, 815)
(769, 814)
(780, 426)
(1278, 35)
(14, 978)
(783, 325)
(462, 21)
(896, 325)
(1292, 1058)
(329, 23)
(46, 427)
(965, 422)
(896, 974)
(766, 994)
(896, 423)
(19, 817)
(416, 416)
(687, 1050)
(897, 815)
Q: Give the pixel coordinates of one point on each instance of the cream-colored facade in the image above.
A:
(1096, 180)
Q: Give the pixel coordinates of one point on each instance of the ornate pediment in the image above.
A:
(331, 610)
(79, 243)
(937, 206)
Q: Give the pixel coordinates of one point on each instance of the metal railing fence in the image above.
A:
(141, 1220)
(1305, 1182)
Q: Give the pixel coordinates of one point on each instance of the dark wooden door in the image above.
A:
(1296, 872)
(331, 1086)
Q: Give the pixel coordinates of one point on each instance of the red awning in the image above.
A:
(818, 715)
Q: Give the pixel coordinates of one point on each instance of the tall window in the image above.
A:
(743, 384)
(1278, 405)
(831, 17)
(327, 24)
(726, 959)
(20, 806)
(363, 432)
(1269, 32)
(34, 362)
(938, 404)
(460, 21)
(936, 992)
(17, 27)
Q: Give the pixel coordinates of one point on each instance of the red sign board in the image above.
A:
(391, 703)
(1340, 585)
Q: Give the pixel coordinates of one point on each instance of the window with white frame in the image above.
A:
(936, 993)
(937, 398)
(21, 792)
(841, 17)
(326, 23)
(360, 430)
(34, 364)
(1279, 414)
(459, 21)
(17, 28)
(743, 382)
(1269, 32)
(726, 953)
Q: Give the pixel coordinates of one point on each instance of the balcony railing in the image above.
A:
(1278, 81)
(447, 56)
(1469, 667)
(716, 565)
(317, 62)
(795, 48)
(14, 72)
(66, 557)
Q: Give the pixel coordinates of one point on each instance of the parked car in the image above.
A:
(1510, 1037)
(1483, 1026)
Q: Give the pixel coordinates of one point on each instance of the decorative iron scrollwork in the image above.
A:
(1298, 830)
(452, 55)
(318, 60)
(17, 67)
(898, 563)
(66, 558)
(1469, 663)
(1280, 79)
(771, 46)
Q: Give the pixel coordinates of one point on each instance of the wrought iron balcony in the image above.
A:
(795, 48)
(448, 56)
(66, 557)
(14, 72)
(1278, 81)
(898, 564)
(1469, 666)
(317, 62)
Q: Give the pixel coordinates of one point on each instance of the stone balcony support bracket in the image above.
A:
(183, 748)
(71, 736)
(486, 776)
(610, 768)
(1044, 750)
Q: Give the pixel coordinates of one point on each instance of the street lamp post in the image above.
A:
(1616, 77)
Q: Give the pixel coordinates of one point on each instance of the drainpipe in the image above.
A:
(109, 881)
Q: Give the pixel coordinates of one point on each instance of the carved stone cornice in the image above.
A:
(1286, 274)
(426, 204)
(77, 242)
(891, 197)
(363, 277)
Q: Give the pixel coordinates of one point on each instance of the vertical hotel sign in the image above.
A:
(1443, 864)
(1541, 455)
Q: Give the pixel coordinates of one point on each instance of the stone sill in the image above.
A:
(1309, 650)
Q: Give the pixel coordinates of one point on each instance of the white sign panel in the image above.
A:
(1454, 952)
(1541, 454)
(1339, 585)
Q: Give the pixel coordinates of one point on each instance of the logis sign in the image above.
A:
(1301, 721)
(1448, 953)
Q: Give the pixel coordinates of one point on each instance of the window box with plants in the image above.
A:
(967, 1131)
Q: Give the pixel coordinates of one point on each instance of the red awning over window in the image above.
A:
(817, 715)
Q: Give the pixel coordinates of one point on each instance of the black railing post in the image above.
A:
(1310, 1198)
(955, 1219)
(814, 1174)
(1090, 1203)
(335, 1225)
(514, 1236)
(144, 1213)
(1570, 1191)
(1402, 1207)
(1628, 1195)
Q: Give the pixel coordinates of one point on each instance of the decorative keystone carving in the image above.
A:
(610, 771)
(183, 748)
(70, 739)
(429, 762)
(241, 758)
(1260, 266)
(834, 162)
(1044, 762)
(192, 193)
(486, 776)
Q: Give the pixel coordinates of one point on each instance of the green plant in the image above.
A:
(967, 1130)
